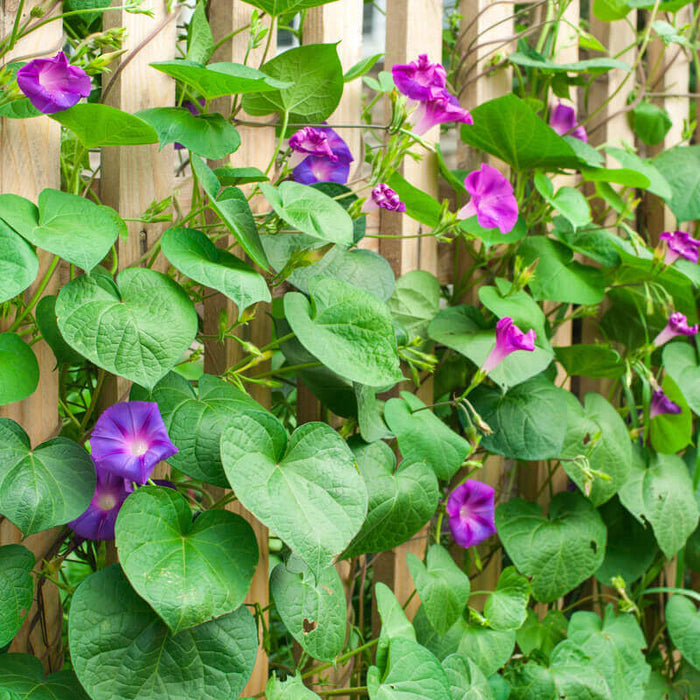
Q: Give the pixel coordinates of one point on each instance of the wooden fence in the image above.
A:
(131, 178)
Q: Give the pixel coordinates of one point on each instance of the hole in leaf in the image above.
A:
(594, 546)
(309, 626)
(586, 438)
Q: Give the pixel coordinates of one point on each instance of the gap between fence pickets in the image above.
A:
(29, 163)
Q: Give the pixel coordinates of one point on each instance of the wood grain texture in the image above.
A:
(29, 163)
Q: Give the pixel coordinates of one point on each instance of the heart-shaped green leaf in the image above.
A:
(395, 624)
(22, 675)
(558, 552)
(18, 263)
(45, 486)
(187, 571)
(680, 361)
(306, 489)
(195, 421)
(207, 135)
(138, 328)
(423, 436)
(72, 227)
(291, 688)
(121, 649)
(415, 302)
(506, 607)
(442, 586)
(192, 253)
(312, 608)
(16, 589)
(683, 622)
(19, 369)
(400, 502)
(347, 329)
(466, 680)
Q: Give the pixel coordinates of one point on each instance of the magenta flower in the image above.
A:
(129, 439)
(385, 198)
(320, 168)
(509, 338)
(492, 199)
(309, 142)
(440, 108)
(97, 522)
(51, 84)
(680, 244)
(563, 120)
(416, 79)
(471, 510)
(660, 403)
(677, 325)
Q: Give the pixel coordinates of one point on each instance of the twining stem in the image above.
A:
(95, 398)
(270, 346)
(37, 294)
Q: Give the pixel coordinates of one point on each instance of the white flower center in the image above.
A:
(139, 448)
(106, 501)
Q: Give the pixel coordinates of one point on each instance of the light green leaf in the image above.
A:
(419, 205)
(575, 675)
(506, 607)
(493, 236)
(200, 40)
(466, 680)
(137, 328)
(121, 649)
(680, 166)
(671, 433)
(362, 67)
(657, 182)
(19, 369)
(680, 361)
(292, 688)
(18, 263)
(16, 589)
(275, 8)
(595, 66)
(395, 624)
(306, 489)
(22, 675)
(542, 635)
(650, 122)
(558, 552)
(415, 302)
(683, 622)
(239, 176)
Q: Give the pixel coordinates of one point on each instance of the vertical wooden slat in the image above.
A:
(29, 163)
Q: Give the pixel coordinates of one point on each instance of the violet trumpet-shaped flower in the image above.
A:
(660, 403)
(129, 439)
(52, 84)
(677, 325)
(492, 199)
(680, 244)
(470, 508)
(563, 120)
(385, 198)
(315, 168)
(97, 522)
(309, 142)
(440, 108)
(416, 79)
(509, 338)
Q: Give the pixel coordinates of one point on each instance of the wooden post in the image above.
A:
(29, 163)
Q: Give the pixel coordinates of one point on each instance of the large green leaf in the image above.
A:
(188, 571)
(96, 124)
(541, 636)
(312, 608)
(415, 302)
(195, 421)
(680, 167)
(275, 8)
(466, 680)
(680, 361)
(528, 422)
(22, 675)
(597, 361)
(207, 135)
(306, 489)
(558, 552)
(683, 622)
(200, 40)
(395, 624)
(291, 688)
(310, 211)
(650, 122)
(233, 208)
(506, 607)
(19, 369)
(16, 589)
(441, 585)
(69, 226)
(598, 435)
(532, 59)
(347, 329)
(137, 328)
(121, 649)
(316, 78)
(424, 437)
(45, 486)
(507, 128)
(662, 494)
(48, 325)
(192, 253)
(219, 79)
(18, 263)
(657, 182)
(463, 329)
(420, 205)
(401, 500)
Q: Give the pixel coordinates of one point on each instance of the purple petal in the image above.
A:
(471, 512)
(97, 522)
(416, 79)
(314, 169)
(660, 403)
(492, 200)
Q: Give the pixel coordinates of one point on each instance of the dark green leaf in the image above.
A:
(597, 361)
(16, 589)
(19, 369)
(239, 176)
(48, 325)
(680, 362)
(22, 675)
(506, 607)
(683, 622)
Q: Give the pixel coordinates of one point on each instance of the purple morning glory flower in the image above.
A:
(563, 120)
(129, 439)
(316, 168)
(509, 338)
(440, 108)
(309, 142)
(384, 197)
(470, 508)
(680, 244)
(660, 403)
(416, 79)
(492, 199)
(97, 522)
(51, 84)
(677, 325)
